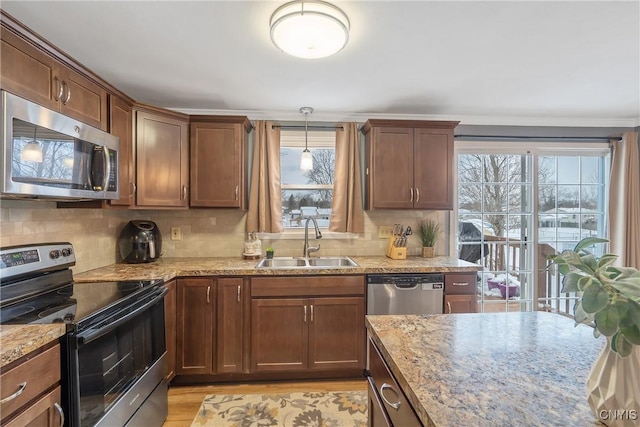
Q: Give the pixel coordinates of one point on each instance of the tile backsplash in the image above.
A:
(205, 232)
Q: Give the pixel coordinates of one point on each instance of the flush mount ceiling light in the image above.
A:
(306, 160)
(309, 28)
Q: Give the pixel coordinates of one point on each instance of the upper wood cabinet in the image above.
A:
(34, 74)
(409, 164)
(161, 158)
(218, 161)
(121, 125)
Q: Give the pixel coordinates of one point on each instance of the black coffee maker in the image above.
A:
(140, 241)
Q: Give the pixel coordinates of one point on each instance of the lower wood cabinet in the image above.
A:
(170, 318)
(460, 292)
(299, 324)
(31, 390)
(231, 300)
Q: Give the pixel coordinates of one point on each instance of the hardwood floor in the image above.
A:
(184, 401)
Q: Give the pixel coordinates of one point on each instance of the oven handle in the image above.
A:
(91, 334)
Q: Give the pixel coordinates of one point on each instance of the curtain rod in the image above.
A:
(291, 127)
(541, 138)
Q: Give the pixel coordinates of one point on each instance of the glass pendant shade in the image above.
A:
(306, 161)
(32, 152)
(309, 29)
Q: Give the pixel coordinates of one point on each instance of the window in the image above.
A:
(516, 206)
(307, 194)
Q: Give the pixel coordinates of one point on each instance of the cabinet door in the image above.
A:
(230, 324)
(217, 168)
(170, 318)
(336, 333)
(161, 161)
(433, 168)
(195, 340)
(459, 304)
(391, 168)
(82, 99)
(28, 72)
(279, 334)
(45, 412)
(120, 125)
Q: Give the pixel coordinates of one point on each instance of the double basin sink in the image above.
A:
(302, 263)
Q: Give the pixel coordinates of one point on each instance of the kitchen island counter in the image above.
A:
(490, 369)
(169, 268)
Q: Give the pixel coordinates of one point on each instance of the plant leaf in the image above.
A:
(623, 308)
(630, 287)
(594, 298)
(588, 241)
(622, 346)
(606, 260)
(631, 334)
(580, 315)
(570, 282)
(634, 312)
(607, 320)
(590, 261)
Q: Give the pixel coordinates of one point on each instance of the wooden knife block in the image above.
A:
(395, 252)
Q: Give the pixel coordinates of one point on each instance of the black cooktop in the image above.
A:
(74, 302)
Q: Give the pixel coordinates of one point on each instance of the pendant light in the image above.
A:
(32, 152)
(306, 160)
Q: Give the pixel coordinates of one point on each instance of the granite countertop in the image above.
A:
(19, 340)
(490, 369)
(168, 268)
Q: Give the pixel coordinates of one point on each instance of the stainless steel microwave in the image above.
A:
(46, 155)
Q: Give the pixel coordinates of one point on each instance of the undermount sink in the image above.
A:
(315, 262)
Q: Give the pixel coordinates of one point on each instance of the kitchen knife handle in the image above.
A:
(208, 293)
(411, 192)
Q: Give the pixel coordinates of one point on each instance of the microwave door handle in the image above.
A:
(107, 168)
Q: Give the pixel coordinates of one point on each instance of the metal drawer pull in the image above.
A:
(449, 306)
(21, 388)
(305, 314)
(460, 283)
(238, 293)
(393, 405)
(61, 412)
(208, 291)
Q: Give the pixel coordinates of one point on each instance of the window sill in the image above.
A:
(299, 235)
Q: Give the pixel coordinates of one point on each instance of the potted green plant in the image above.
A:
(609, 301)
(269, 252)
(429, 231)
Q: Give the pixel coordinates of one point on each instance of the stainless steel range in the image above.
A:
(114, 360)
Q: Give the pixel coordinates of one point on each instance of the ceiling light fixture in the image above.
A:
(306, 160)
(32, 152)
(309, 28)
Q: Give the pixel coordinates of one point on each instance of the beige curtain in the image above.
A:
(624, 201)
(346, 210)
(265, 200)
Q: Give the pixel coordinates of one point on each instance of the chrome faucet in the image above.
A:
(307, 249)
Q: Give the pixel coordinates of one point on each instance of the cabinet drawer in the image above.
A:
(45, 412)
(460, 284)
(307, 286)
(393, 399)
(38, 373)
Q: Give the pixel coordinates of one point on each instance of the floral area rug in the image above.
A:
(318, 409)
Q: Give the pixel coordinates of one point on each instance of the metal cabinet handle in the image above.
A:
(57, 85)
(449, 306)
(237, 190)
(411, 192)
(61, 412)
(305, 314)
(460, 284)
(66, 88)
(132, 188)
(238, 293)
(312, 312)
(184, 192)
(417, 195)
(21, 388)
(385, 386)
(208, 292)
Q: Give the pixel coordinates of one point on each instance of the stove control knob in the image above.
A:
(66, 251)
(54, 254)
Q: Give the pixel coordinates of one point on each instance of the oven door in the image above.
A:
(116, 364)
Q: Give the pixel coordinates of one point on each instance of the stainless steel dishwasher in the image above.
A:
(405, 293)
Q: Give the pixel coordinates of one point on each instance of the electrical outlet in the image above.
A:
(384, 231)
(176, 234)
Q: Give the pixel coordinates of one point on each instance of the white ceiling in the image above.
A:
(562, 63)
